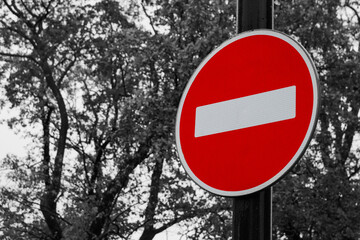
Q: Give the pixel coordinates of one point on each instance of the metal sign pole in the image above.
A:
(252, 218)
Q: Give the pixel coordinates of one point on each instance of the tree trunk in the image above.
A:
(53, 182)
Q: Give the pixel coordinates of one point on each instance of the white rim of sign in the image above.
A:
(315, 83)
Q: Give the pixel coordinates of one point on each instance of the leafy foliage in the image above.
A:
(101, 89)
(319, 199)
(104, 92)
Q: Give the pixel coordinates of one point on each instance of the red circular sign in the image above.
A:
(248, 113)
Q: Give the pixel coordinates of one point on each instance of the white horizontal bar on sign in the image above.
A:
(244, 112)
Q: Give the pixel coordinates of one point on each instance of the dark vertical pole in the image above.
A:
(254, 14)
(252, 213)
(252, 216)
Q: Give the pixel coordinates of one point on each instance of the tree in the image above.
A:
(103, 92)
(318, 200)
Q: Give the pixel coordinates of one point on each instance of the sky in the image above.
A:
(10, 142)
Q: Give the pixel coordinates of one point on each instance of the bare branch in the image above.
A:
(65, 72)
(8, 5)
(21, 15)
(28, 9)
(18, 56)
(347, 4)
(149, 17)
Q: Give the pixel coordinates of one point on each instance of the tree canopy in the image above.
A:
(319, 198)
(97, 85)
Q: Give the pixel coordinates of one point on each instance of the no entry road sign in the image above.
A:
(248, 113)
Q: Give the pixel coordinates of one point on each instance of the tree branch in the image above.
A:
(46, 148)
(11, 9)
(149, 17)
(28, 9)
(66, 70)
(48, 200)
(153, 200)
(347, 4)
(117, 184)
(349, 133)
(20, 33)
(18, 56)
